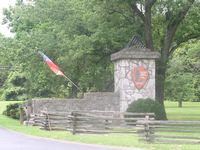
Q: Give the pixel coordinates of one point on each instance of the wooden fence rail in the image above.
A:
(143, 124)
(179, 132)
(89, 122)
(106, 122)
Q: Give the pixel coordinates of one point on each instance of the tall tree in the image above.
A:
(81, 35)
(77, 34)
(167, 24)
(183, 79)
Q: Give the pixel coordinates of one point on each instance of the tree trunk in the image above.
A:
(147, 24)
(160, 81)
(180, 103)
(162, 64)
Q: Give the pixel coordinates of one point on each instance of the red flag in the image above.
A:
(51, 65)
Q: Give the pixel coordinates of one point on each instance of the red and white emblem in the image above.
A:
(140, 76)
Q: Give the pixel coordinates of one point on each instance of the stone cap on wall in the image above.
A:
(135, 52)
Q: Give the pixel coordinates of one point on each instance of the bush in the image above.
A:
(14, 87)
(148, 106)
(14, 93)
(12, 111)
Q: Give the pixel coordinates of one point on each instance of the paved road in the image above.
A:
(15, 141)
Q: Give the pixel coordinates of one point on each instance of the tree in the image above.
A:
(14, 87)
(182, 79)
(6, 57)
(74, 34)
(81, 35)
(166, 24)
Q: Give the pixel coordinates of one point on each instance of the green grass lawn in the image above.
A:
(189, 111)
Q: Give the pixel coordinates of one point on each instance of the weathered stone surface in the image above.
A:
(104, 101)
(124, 63)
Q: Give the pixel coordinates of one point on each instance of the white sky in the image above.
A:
(5, 4)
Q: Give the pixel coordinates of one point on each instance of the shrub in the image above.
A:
(14, 93)
(14, 87)
(148, 106)
(12, 110)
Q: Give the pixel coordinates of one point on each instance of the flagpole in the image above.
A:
(56, 69)
(72, 82)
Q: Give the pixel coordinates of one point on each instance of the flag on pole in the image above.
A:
(51, 65)
(56, 69)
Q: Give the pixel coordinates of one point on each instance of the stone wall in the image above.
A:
(104, 101)
(124, 84)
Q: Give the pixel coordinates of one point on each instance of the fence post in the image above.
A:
(106, 124)
(45, 121)
(74, 123)
(147, 129)
(21, 112)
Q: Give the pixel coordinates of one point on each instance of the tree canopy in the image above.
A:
(79, 36)
(183, 79)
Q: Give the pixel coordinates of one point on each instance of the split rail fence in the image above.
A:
(177, 132)
(142, 124)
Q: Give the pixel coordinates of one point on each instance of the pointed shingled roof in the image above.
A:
(136, 42)
(135, 50)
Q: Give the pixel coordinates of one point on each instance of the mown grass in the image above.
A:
(189, 111)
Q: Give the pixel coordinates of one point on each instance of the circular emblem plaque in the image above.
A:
(140, 76)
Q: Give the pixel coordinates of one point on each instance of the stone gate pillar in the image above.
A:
(134, 74)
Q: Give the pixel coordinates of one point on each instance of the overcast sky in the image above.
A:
(5, 4)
